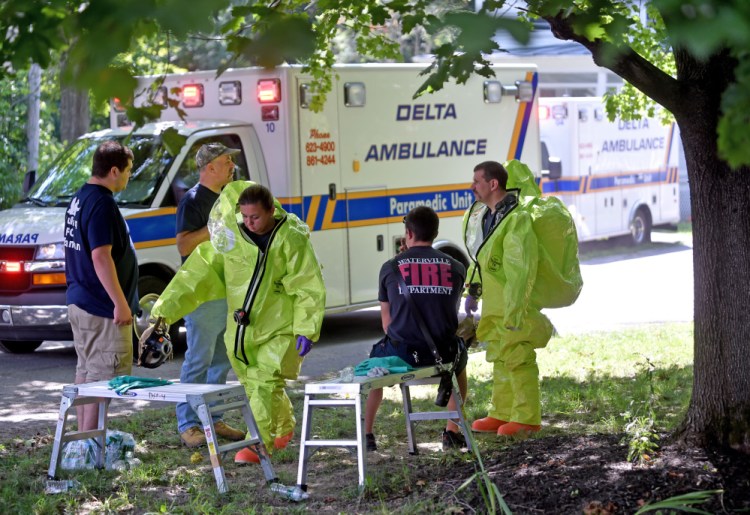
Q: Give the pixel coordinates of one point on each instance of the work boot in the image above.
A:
(193, 437)
(517, 429)
(280, 442)
(370, 442)
(246, 456)
(452, 441)
(226, 431)
(487, 425)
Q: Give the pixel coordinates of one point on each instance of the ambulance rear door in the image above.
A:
(321, 193)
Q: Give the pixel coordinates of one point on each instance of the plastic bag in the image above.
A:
(119, 455)
(120, 451)
(79, 455)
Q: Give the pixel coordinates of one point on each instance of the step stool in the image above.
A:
(205, 399)
(321, 395)
(411, 416)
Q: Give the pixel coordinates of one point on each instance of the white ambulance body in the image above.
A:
(351, 172)
(616, 178)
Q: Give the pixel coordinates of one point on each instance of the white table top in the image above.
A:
(176, 392)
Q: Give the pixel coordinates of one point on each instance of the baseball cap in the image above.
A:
(211, 151)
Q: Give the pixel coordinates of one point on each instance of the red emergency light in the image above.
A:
(11, 267)
(192, 95)
(269, 91)
(117, 105)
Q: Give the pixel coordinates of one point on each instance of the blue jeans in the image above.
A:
(206, 359)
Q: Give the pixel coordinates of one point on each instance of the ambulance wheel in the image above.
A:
(640, 227)
(150, 286)
(19, 347)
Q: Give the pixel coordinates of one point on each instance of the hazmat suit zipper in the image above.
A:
(477, 268)
(252, 291)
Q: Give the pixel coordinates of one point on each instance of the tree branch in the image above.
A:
(624, 61)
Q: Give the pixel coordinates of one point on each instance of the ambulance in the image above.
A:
(351, 172)
(617, 178)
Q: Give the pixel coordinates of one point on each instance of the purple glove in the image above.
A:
(304, 345)
(470, 305)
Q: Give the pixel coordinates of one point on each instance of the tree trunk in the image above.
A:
(74, 111)
(32, 125)
(719, 411)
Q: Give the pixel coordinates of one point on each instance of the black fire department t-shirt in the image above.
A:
(435, 281)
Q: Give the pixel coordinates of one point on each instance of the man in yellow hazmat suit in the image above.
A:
(500, 238)
(261, 261)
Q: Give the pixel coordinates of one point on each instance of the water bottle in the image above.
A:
(292, 493)
(58, 487)
(346, 375)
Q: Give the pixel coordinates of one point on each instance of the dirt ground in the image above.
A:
(572, 475)
(590, 474)
(546, 475)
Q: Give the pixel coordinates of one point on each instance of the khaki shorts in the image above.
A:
(104, 349)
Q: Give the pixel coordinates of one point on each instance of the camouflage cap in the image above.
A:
(211, 151)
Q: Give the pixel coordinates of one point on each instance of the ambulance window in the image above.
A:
(188, 174)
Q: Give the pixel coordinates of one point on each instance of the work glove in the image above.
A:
(470, 305)
(467, 330)
(304, 345)
(378, 372)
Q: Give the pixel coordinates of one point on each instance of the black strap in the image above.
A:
(417, 313)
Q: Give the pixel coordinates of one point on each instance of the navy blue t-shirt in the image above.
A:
(194, 209)
(435, 281)
(91, 221)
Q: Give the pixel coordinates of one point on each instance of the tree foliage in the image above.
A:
(14, 97)
(97, 36)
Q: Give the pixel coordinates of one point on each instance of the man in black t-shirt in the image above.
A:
(435, 281)
(101, 271)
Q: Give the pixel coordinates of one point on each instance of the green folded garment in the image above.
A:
(122, 384)
(394, 364)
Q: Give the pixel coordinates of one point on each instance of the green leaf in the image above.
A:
(379, 14)
(173, 141)
(283, 39)
(682, 502)
(733, 137)
(409, 21)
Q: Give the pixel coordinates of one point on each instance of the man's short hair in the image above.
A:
(257, 194)
(108, 154)
(423, 221)
(493, 170)
(211, 151)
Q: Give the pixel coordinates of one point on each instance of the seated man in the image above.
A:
(435, 281)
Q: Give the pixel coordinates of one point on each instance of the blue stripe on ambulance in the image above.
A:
(150, 228)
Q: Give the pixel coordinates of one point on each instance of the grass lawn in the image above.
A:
(610, 383)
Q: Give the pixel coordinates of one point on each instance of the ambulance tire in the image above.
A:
(640, 227)
(19, 347)
(150, 284)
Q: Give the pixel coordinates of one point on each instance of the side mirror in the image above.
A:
(554, 169)
(29, 179)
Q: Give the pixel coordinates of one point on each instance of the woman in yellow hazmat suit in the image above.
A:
(506, 258)
(261, 260)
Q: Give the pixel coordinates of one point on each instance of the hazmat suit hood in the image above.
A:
(225, 220)
(521, 177)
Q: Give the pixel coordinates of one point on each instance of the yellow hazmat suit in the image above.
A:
(506, 265)
(281, 292)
